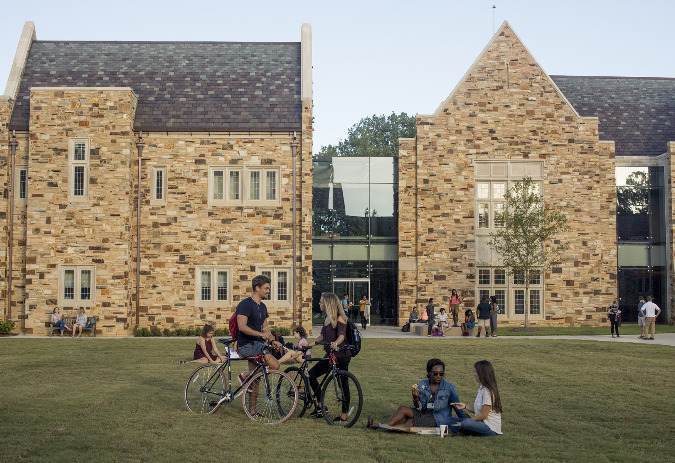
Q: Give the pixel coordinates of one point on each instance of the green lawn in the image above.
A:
(121, 400)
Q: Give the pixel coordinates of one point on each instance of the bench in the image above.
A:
(70, 321)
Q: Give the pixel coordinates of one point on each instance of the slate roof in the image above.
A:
(181, 86)
(637, 113)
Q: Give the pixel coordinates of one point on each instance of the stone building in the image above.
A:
(223, 134)
(507, 119)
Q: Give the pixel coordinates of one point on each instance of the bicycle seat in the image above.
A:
(226, 341)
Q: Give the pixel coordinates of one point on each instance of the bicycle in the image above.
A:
(335, 388)
(270, 396)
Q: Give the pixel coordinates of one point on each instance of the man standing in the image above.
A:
(347, 306)
(650, 311)
(641, 318)
(252, 325)
(483, 310)
(430, 316)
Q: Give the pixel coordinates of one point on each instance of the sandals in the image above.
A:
(257, 416)
(370, 424)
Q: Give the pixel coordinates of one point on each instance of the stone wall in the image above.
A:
(506, 108)
(92, 232)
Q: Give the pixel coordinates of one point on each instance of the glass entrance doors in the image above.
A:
(354, 289)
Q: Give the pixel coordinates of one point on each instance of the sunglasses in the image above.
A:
(438, 373)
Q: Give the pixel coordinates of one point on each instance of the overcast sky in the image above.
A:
(375, 57)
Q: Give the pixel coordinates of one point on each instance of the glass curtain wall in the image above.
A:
(355, 233)
(641, 237)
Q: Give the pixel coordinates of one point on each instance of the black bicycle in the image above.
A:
(337, 388)
(270, 396)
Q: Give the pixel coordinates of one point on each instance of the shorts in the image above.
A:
(641, 321)
(484, 322)
(424, 419)
(251, 349)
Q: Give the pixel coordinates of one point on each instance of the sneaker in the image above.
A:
(640, 337)
(316, 413)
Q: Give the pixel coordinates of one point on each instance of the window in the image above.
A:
(214, 285)
(484, 276)
(21, 183)
(158, 186)
(280, 284)
(239, 186)
(78, 169)
(483, 215)
(76, 285)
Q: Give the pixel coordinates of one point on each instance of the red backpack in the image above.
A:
(234, 327)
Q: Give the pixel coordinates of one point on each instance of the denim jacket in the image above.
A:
(445, 395)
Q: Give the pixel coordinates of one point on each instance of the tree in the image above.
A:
(374, 136)
(525, 243)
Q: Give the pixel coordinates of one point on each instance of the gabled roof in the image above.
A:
(637, 113)
(181, 86)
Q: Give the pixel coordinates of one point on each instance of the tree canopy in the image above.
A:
(375, 136)
(524, 244)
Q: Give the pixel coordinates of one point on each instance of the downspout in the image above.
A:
(294, 150)
(12, 145)
(140, 145)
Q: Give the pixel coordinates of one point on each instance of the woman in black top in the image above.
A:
(334, 331)
(430, 314)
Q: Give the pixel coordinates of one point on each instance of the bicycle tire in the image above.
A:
(336, 399)
(275, 407)
(304, 393)
(204, 389)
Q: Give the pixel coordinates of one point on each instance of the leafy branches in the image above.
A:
(525, 243)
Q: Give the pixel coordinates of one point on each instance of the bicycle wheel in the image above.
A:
(204, 389)
(271, 398)
(304, 393)
(341, 393)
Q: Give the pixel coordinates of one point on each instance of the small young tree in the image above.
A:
(525, 243)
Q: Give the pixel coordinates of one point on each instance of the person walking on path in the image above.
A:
(430, 316)
(483, 309)
(455, 300)
(364, 309)
(651, 311)
(613, 315)
(493, 316)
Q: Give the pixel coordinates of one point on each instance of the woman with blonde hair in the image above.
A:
(334, 332)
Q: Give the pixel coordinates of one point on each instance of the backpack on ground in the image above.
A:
(353, 337)
(406, 328)
(234, 327)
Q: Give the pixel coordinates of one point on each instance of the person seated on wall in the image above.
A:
(79, 323)
(414, 316)
(442, 320)
(431, 402)
(425, 317)
(469, 322)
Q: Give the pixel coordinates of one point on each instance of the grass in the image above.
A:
(121, 400)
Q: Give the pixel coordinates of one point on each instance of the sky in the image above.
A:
(376, 57)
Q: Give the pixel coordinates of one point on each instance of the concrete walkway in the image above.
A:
(391, 332)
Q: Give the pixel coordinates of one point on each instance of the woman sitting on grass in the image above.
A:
(206, 350)
(432, 400)
(487, 407)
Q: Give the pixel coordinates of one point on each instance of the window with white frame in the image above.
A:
(237, 186)
(77, 284)
(21, 183)
(213, 285)
(158, 187)
(78, 169)
(492, 282)
(280, 284)
(490, 204)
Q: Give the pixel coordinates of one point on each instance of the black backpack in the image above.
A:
(406, 328)
(353, 337)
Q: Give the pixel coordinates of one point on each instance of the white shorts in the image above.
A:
(641, 321)
(484, 322)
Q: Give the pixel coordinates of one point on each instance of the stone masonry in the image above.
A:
(506, 108)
